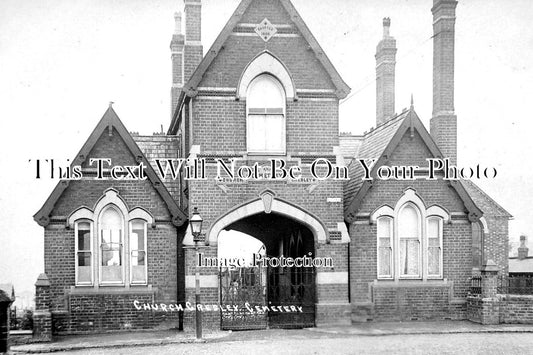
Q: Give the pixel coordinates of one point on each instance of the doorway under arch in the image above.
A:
(268, 294)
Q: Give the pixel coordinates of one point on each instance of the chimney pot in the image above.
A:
(386, 27)
(177, 19)
(523, 250)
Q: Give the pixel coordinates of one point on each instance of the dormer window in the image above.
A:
(265, 106)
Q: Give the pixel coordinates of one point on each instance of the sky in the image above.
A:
(63, 61)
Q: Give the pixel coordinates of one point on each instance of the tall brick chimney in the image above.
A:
(523, 249)
(187, 50)
(176, 49)
(193, 36)
(385, 75)
(443, 124)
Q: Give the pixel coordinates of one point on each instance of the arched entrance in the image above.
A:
(269, 289)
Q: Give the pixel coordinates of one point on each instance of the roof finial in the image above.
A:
(111, 104)
(412, 102)
(177, 24)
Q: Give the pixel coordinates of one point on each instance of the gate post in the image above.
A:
(490, 311)
(5, 302)
(42, 318)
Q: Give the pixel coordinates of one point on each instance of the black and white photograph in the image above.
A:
(266, 176)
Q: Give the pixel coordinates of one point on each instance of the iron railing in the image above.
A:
(475, 285)
(516, 284)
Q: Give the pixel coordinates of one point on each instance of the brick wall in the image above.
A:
(516, 309)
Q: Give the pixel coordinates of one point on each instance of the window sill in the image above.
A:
(112, 289)
(266, 155)
(411, 283)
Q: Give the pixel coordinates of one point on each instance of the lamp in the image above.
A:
(196, 225)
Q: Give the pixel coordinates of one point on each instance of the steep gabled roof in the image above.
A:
(191, 86)
(109, 121)
(380, 144)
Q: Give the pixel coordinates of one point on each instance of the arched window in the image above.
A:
(410, 239)
(385, 247)
(83, 235)
(111, 233)
(138, 251)
(265, 106)
(434, 244)
(409, 231)
(477, 235)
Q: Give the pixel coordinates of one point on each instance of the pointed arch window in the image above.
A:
(111, 235)
(410, 239)
(83, 241)
(385, 247)
(409, 231)
(138, 270)
(434, 243)
(265, 106)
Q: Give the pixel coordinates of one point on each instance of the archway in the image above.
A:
(276, 286)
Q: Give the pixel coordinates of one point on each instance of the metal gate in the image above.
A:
(289, 298)
(295, 287)
(241, 290)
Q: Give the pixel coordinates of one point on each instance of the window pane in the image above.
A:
(111, 219)
(433, 228)
(274, 136)
(265, 92)
(409, 257)
(256, 133)
(137, 258)
(138, 274)
(384, 227)
(408, 223)
(137, 235)
(84, 258)
(111, 248)
(384, 262)
(434, 261)
(84, 239)
(84, 274)
(111, 273)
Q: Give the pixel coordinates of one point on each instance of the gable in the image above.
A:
(110, 139)
(401, 141)
(243, 46)
(410, 151)
(238, 44)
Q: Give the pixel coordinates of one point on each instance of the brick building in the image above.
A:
(400, 249)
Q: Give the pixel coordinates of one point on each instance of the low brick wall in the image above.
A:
(333, 314)
(516, 309)
(513, 309)
(399, 302)
(95, 313)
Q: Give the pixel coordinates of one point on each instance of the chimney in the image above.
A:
(176, 49)
(523, 249)
(193, 37)
(443, 124)
(385, 75)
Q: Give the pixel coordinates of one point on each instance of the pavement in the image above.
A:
(167, 337)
